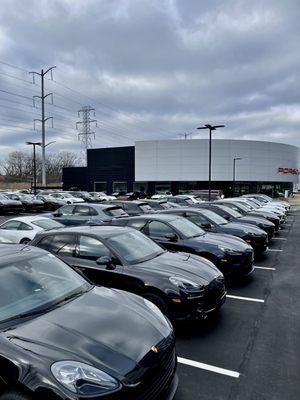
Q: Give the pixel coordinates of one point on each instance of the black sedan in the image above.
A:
(212, 222)
(182, 286)
(8, 205)
(30, 204)
(50, 203)
(65, 339)
(87, 214)
(234, 216)
(232, 256)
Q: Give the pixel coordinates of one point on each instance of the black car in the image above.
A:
(62, 338)
(50, 203)
(29, 203)
(182, 286)
(244, 210)
(234, 216)
(232, 256)
(82, 195)
(213, 222)
(8, 205)
(134, 207)
(87, 214)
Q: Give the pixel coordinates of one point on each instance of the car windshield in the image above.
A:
(32, 284)
(215, 218)
(238, 207)
(246, 206)
(134, 247)
(187, 228)
(47, 223)
(231, 212)
(3, 197)
(66, 194)
(115, 212)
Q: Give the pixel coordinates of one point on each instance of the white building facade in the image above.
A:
(182, 165)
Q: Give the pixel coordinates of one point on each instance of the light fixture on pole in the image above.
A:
(34, 144)
(211, 128)
(233, 173)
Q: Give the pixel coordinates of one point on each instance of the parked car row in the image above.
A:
(100, 285)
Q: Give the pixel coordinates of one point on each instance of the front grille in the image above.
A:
(157, 371)
(214, 293)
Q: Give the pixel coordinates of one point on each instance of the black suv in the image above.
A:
(182, 286)
(232, 256)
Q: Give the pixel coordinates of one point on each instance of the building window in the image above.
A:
(140, 187)
(162, 187)
(100, 187)
(186, 187)
(119, 187)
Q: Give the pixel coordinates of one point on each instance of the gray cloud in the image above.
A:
(153, 69)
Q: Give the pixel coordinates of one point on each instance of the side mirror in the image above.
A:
(106, 260)
(57, 214)
(172, 237)
(206, 225)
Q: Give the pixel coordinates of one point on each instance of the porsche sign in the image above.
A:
(293, 171)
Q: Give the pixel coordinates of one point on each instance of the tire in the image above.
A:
(24, 241)
(159, 302)
(15, 395)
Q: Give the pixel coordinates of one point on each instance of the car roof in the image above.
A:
(9, 251)
(158, 216)
(102, 230)
(26, 218)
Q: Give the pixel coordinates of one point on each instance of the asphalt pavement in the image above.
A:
(251, 350)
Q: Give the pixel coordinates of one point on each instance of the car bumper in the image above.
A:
(238, 265)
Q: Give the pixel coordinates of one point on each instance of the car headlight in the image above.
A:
(184, 283)
(83, 379)
(229, 251)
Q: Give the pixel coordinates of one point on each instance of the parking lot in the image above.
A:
(251, 349)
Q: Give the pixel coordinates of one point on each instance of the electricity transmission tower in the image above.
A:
(185, 135)
(43, 120)
(86, 135)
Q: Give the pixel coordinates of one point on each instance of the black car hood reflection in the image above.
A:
(105, 328)
(243, 228)
(187, 265)
(223, 241)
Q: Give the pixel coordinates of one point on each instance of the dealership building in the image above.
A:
(182, 165)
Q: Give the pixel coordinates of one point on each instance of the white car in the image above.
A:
(101, 196)
(23, 229)
(67, 198)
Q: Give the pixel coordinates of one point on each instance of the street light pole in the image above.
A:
(233, 173)
(211, 128)
(34, 144)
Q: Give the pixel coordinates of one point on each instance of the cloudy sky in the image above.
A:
(151, 69)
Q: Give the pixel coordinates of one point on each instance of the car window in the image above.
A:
(81, 210)
(115, 211)
(67, 210)
(24, 227)
(91, 248)
(93, 212)
(159, 229)
(46, 243)
(197, 219)
(137, 224)
(11, 225)
(47, 223)
(62, 244)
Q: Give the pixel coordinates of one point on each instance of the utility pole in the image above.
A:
(43, 120)
(211, 128)
(86, 134)
(34, 144)
(185, 135)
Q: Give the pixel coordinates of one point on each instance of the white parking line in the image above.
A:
(275, 250)
(230, 296)
(275, 238)
(208, 367)
(268, 268)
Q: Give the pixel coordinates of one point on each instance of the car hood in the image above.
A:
(245, 227)
(256, 220)
(8, 202)
(223, 240)
(109, 329)
(186, 265)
